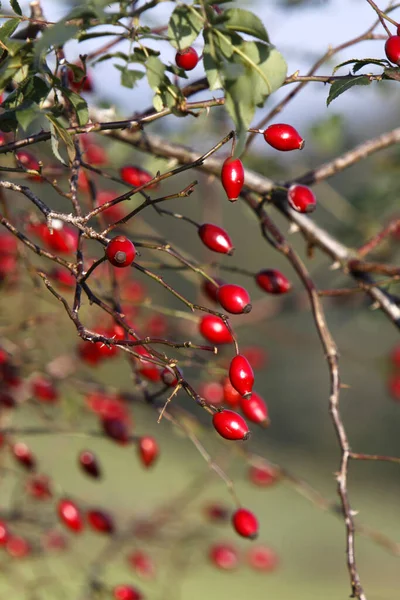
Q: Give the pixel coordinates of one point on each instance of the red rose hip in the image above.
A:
(255, 409)
(392, 49)
(230, 425)
(148, 450)
(213, 329)
(187, 59)
(100, 521)
(245, 523)
(232, 177)
(120, 251)
(234, 298)
(70, 515)
(301, 198)
(89, 464)
(283, 137)
(126, 592)
(224, 556)
(216, 238)
(273, 282)
(241, 375)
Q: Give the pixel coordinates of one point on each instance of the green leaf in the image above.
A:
(237, 19)
(184, 26)
(342, 85)
(8, 121)
(155, 70)
(241, 108)
(79, 104)
(56, 35)
(158, 103)
(25, 116)
(367, 61)
(8, 29)
(129, 78)
(359, 63)
(59, 133)
(16, 7)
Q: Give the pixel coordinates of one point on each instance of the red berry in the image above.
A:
(116, 429)
(216, 238)
(301, 198)
(168, 377)
(213, 329)
(187, 59)
(60, 238)
(120, 251)
(6, 400)
(70, 515)
(241, 375)
(18, 547)
(95, 155)
(126, 592)
(394, 387)
(63, 277)
(212, 392)
(230, 425)
(262, 558)
(210, 289)
(24, 455)
(273, 282)
(217, 513)
(38, 487)
(245, 523)
(263, 475)
(255, 409)
(112, 212)
(224, 556)
(283, 137)
(8, 243)
(231, 396)
(84, 84)
(148, 369)
(142, 564)
(232, 177)
(100, 521)
(148, 450)
(89, 464)
(392, 49)
(256, 356)
(395, 356)
(4, 533)
(29, 162)
(54, 540)
(43, 389)
(136, 176)
(234, 299)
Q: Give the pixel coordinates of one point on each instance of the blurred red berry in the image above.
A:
(142, 563)
(148, 450)
(70, 515)
(224, 556)
(44, 389)
(126, 592)
(212, 392)
(262, 558)
(263, 475)
(100, 521)
(89, 464)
